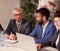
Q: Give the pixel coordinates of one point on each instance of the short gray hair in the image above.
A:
(18, 9)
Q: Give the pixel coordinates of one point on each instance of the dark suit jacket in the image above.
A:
(51, 41)
(1, 28)
(58, 46)
(25, 27)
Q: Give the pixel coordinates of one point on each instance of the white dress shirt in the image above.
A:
(44, 27)
(57, 40)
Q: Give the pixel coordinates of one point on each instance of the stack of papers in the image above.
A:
(10, 41)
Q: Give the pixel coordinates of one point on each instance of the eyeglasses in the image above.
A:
(57, 22)
(17, 14)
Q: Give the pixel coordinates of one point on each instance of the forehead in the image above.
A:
(37, 14)
(56, 18)
(17, 11)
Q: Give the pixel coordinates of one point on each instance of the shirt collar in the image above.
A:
(46, 24)
(18, 22)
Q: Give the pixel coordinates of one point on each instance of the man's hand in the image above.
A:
(38, 46)
(6, 36)
(12, 37)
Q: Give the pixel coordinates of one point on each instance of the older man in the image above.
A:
(18, 24)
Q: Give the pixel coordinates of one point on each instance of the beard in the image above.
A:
(41, 22)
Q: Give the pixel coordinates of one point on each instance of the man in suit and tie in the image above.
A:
(18, 24)
(55, 39)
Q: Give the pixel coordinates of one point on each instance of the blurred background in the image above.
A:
(28, 6)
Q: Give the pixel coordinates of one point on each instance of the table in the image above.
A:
(11, 49)
(26, 43)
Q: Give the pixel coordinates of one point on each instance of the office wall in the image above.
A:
(6, 7)
(57, 4)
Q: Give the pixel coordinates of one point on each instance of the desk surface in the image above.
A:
(11, 49)
(25, 42)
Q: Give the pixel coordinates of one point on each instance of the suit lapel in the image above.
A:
(46, 30)
(21, 26)
(54, 38)
(58, 45)
(15, 26)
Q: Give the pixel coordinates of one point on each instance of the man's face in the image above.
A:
(57, 22)
(38, 18)
(17, 15)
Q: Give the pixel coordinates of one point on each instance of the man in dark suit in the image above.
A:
(18, 24)
(54, 41)
(1, 28)
(56, 37)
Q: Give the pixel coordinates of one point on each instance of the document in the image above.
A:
(11, 41)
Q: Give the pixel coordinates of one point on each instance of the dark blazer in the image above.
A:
(1, 28)
(54, 38)
(37, 32)
(51, 41)
(25, 27)
(58, 46)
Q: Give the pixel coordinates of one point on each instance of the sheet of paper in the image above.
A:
(10, 41)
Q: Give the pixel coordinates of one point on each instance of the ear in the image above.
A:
(43, 18)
